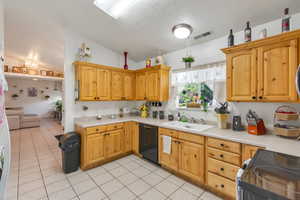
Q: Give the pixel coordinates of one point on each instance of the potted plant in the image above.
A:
(222, 115)
(188, 61)
(15, 96)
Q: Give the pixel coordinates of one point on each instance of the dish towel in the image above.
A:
(167, 141)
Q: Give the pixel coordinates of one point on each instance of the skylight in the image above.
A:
(115, 8)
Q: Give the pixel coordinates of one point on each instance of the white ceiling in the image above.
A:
(35, 25)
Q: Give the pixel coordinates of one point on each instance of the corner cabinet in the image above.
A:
(104, 83)
(263, 70)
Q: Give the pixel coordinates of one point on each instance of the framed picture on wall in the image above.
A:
(32, 92)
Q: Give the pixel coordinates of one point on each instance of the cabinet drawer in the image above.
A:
(221, 184)
(96, 129)
(232, 158)
(191, 137)
(224, 145)
(114, 126)
(222, 168)
(168, 132)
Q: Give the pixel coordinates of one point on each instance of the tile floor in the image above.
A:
(36, 174)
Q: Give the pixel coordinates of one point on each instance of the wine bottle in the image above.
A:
(286, 21)
(230, 39)
(248, 33)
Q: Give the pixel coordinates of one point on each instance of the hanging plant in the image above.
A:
(188, 59)
(15, 96)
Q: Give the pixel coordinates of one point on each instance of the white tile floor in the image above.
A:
(36, 174)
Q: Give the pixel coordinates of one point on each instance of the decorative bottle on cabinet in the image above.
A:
(248, 32)
(230, 39)
(286, 21)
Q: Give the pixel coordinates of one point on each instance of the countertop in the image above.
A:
(269, 141)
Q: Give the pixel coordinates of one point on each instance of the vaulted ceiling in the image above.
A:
(38, 26)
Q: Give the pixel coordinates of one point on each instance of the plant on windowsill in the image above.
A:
(222, 114)
(188, 61)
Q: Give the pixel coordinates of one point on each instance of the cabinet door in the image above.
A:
(135, 138)
(152, 86)
(249, 151)
(169, 160)
(116, 85)
(103, 84)
(277, 66)
(140, 86)
(241, 76)
(129, 86)
(94, 148)
(113, 143)
(128, 132)
(191, 160)
(88, 83)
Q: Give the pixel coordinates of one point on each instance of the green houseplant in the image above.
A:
(188, 61)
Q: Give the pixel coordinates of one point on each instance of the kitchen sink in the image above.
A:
(188, 126)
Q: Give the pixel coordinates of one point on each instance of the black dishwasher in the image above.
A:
(149, 142)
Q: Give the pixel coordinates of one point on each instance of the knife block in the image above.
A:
(258, 129)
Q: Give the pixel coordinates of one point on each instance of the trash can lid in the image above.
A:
(69, 137)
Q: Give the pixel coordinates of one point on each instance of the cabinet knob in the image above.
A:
(95, 98)
(97, 129)
(222, 186)
(222, 145)
(222, 169)
(260, 97)
(222, 156)
(254, 97)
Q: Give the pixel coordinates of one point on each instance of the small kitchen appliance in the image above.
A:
(256, 125)
(237, 123)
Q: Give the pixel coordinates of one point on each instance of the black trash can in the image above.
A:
(70, 147)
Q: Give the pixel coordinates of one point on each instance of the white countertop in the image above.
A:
(269, 141)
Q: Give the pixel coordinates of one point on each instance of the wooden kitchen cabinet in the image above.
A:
(277, 64)
(114, 142)
(129, 86)
(95, 148)
(263, 70)
(140, 86)
(87, 77)
(103, 84)
(116, 85)
(169, 160)
(191, 160)
(241, 76)
(249, 151)
(186, 157)
(153, 85)
(129, 131)
(135, 138)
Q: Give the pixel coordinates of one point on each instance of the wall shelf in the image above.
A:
(28, 76)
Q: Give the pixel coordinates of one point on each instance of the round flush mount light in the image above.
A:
(182, 31)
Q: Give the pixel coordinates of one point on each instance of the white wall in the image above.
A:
(4, 133)
(209, 52)
(34, 105)
(100, 55)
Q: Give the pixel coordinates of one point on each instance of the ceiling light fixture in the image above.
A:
(115, 8)
(182, 31)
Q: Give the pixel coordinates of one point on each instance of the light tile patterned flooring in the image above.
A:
(36, 174)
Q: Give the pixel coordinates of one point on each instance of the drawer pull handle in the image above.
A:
(222, 169)
(195, 156)
(222, 156)
(222, 186)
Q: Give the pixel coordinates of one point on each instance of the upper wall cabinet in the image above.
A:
(264, 70)
(153, 83)
(103, 83)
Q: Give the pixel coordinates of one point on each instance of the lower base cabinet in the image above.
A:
(221, 185)
(191, 160)
(113, 142)
(186, 158)
(94, 148)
